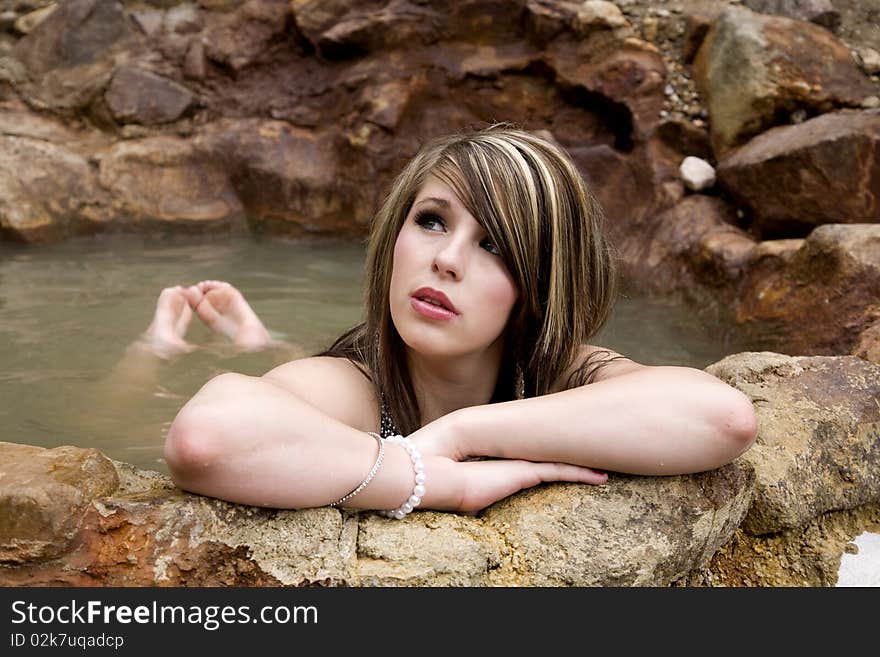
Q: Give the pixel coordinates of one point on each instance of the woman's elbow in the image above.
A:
(192, 446)
(740, 423)
(190, 450)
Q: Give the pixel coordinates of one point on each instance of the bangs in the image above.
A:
(475, 188)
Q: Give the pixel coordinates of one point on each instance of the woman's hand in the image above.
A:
(483, 483)
(472, 485)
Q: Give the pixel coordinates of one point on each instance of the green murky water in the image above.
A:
(68, 312)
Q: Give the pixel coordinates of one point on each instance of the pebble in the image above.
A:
(696, 173)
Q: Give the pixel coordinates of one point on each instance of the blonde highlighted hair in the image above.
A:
(532, 201)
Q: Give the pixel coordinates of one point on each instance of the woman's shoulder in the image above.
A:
(608, 364)
(336, 386)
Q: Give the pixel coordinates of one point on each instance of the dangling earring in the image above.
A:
(520, 382)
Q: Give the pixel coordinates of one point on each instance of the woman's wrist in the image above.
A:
(442, 491)
(458, 437)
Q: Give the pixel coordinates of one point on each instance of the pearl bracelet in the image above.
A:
(419, 476)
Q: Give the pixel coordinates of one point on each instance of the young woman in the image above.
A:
(488, 272)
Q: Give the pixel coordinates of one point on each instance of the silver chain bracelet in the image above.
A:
(370, 475)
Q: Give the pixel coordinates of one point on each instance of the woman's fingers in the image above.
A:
(486, 482)
(193, 296)
(568, 472)
(207, 286)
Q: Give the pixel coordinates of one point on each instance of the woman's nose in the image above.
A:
(450, 259)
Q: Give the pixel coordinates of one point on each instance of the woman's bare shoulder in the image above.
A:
(335, 386)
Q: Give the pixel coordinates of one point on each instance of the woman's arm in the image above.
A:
(249, 440)
(649, 421)
(246, 440)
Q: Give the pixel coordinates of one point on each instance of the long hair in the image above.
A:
(529, 197)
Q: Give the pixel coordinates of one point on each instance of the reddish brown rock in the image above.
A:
(239, 38)
(44, 495)
(826, 170)
(287, 178)
(138, 96)
(868, 344)
(813, 296)
(547, 19)
(623, 186)
(694, 244)
(754, 70)
(628, 73)
(165, 179)
(195, 63)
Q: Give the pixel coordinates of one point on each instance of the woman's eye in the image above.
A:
(492, 248)
(427, 218)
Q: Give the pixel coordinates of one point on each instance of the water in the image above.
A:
(68, 312)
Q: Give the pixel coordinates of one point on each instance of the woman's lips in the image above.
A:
(430, 310)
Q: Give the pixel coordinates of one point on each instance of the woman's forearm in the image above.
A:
(656, 421)
(249, 441)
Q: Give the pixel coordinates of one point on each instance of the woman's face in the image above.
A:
(441, 246)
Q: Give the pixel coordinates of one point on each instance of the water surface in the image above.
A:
(69, 312)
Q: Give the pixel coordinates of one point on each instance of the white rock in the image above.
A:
(697, 174)
(870, 60)
(600, 13)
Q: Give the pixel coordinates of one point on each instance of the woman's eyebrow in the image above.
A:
(442, 202)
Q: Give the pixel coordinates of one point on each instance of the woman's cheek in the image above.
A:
(499, 290)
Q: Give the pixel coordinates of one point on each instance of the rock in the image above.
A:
(821, 12)
(287, 178)
(868, 345)
(139, 96)
(167, 179)
(623, 534)
(751, 68)
(238, 38)
(149, 21)
(44, 493)
(384, 104)
(25, 24)
(46, 191)
(597, 14)
(818, 439)
(814, 295)
(77, 32)
(71, 55)
(870, 60)
(643, 531)
(221, 5)
(545, 20)
(183, 19)
(697, 174)
(825, 170)
(695, 30)
(692, 247)
(809, 555)
(622, 185)
(195, 64)
(630, 73)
